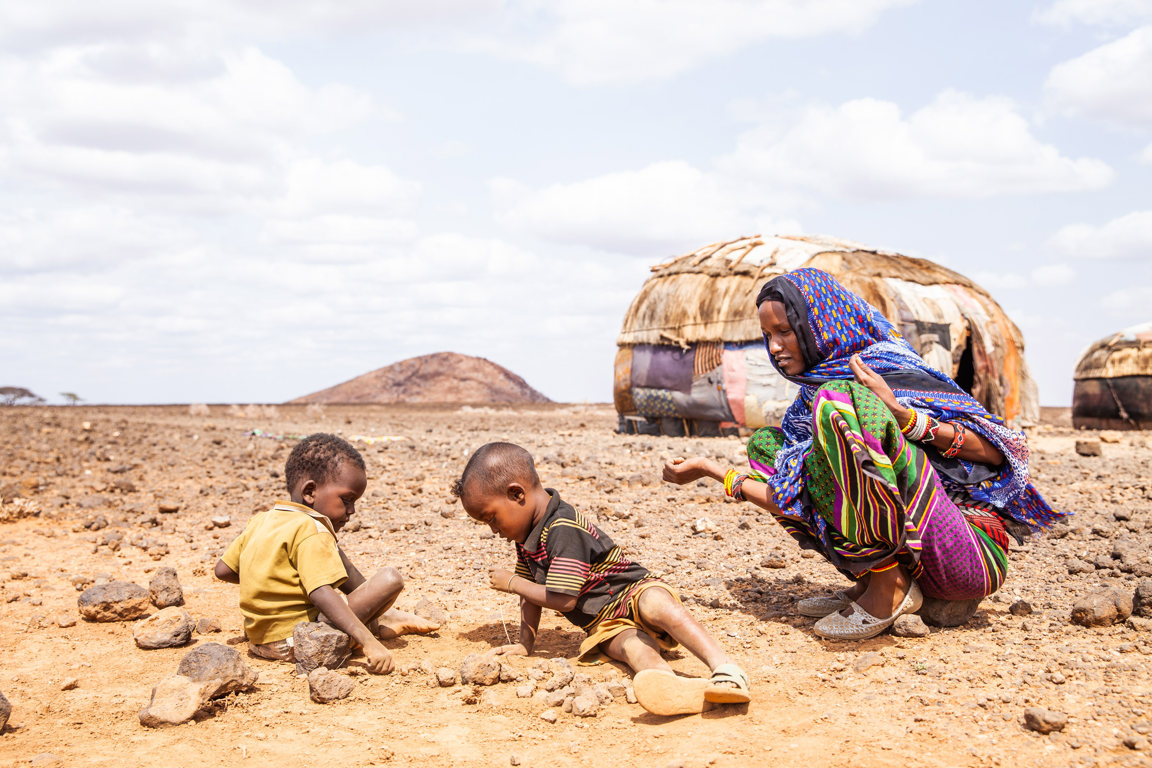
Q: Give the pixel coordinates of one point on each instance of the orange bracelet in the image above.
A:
(957, 441)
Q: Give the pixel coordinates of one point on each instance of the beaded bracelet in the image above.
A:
(911, 425)
(930, 431)
(738, 487)
(729, 477)
(957, 441)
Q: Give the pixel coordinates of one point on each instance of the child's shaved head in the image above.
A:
(318, 457)
(494, 467)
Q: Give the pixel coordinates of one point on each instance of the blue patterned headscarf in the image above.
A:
(831, 325)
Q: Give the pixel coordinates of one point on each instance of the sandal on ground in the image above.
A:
(861, 625)
(664, 693)
(819, 607)
(728, 685)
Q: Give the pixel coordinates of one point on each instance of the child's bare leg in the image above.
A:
(372, 603)
(659, 608)
(636, 649)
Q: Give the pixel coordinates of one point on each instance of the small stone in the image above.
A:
(169, 628)
(5, 711)
(46, 760)
(585, 705)
(69, 684)
(1088, 447)
(479, 669)
(947, 613)
(66, 620)
(1139, 624)
(445, 677)
(165, 588)
(1020, 608)
(509, 673)
(1137, 743)
(220, 665)
(427, 609)
(514, 759)
(630, 695)
(114, 601)
(555, 698)
(223, 521)
(549, 715)
(207, 625)
(525, 691)
(176, 700)
(866, 661)
(316, 644)
(1043, 720)
(81, 582)
(616, 688)
(1076, 565)
(168, 507)
(1142, 599)
(562, 674)
(603, 695)
(773, 562)
(325, 686)
(910, 625)
(1102, 609)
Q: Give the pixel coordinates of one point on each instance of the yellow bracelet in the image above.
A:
(508, 586)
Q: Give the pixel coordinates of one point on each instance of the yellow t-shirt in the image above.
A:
(283, 555)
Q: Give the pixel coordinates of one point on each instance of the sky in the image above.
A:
(230, 202)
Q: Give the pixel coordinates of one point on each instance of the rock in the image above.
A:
(479, 669)
(515, 759)
(170, 628)
(866, 661)
(1020, 608)
(69, 684)
(1088, 447)
(427, 609)
(316, 644)
(602, 693)
(947, 613)
(1043, 720)
(525, 691)
(549, 716)
(1102, 609)
(207, 625)
(66, 620)
(1142, 599)
(165, 588)
(562, 674)
(509, 673)
(81, 582)
(586, 705)
(221, 521)
(168, 507)
(773, 562)
(1076, 565)
(910, 625)
(220, 665)
(46, 760)
(1137, 743)
(176, 700)
(446, 677)
(1139, 624)
(616, 688)
(114, 601)
(5, 711)
(325, 686)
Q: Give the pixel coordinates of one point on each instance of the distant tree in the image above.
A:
(19, 396)
(71, 397)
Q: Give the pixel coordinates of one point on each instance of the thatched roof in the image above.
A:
(1125, 353)
(709, 295)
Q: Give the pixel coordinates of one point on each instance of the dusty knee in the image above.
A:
(658, 606)
(388, 578)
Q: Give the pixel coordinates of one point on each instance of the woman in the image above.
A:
(882, 464)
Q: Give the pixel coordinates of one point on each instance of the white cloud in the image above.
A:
(1112, 82)
(957, 146)
(1128, 237)
(1053, 275)
(664, 208)
(1131, 303)
(1096, 12)
(1145, 155)
(598, 42)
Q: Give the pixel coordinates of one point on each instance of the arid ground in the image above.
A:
(953, 698)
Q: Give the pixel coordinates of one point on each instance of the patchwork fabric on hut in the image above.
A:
(1113, 388)
(692, 332)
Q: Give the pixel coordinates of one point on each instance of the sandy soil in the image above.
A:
(954, 698)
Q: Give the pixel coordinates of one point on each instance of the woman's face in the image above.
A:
(782, 342)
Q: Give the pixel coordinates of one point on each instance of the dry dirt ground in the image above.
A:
(954, 698)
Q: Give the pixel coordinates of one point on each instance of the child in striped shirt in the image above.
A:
(566, 563)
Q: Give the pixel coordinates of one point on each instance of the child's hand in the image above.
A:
(500, 579)
(378, 657)
(681, 471)
(515, 649)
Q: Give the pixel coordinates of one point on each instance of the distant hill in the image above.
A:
(444, 377)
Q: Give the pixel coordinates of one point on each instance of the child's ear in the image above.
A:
(517, 493)
(308, 491)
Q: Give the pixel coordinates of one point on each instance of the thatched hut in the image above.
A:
(1113, 388)
(691, 357)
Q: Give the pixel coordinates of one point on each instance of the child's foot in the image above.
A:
(662, 692)
(394, 623)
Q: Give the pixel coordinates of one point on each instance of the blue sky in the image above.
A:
(218, 201)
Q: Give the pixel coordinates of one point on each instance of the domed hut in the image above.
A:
(691, 356)
(1113, 388)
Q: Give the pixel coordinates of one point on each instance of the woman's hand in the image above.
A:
(681, 471)
(514, 649)
(875, 382)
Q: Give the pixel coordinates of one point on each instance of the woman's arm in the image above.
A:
(976, 448)
(681, 471)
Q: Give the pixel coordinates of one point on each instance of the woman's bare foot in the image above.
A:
(393, 623)
(885, 592)
(858, 589)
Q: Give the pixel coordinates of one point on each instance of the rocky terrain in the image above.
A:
(150, 496)
(443, 377)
